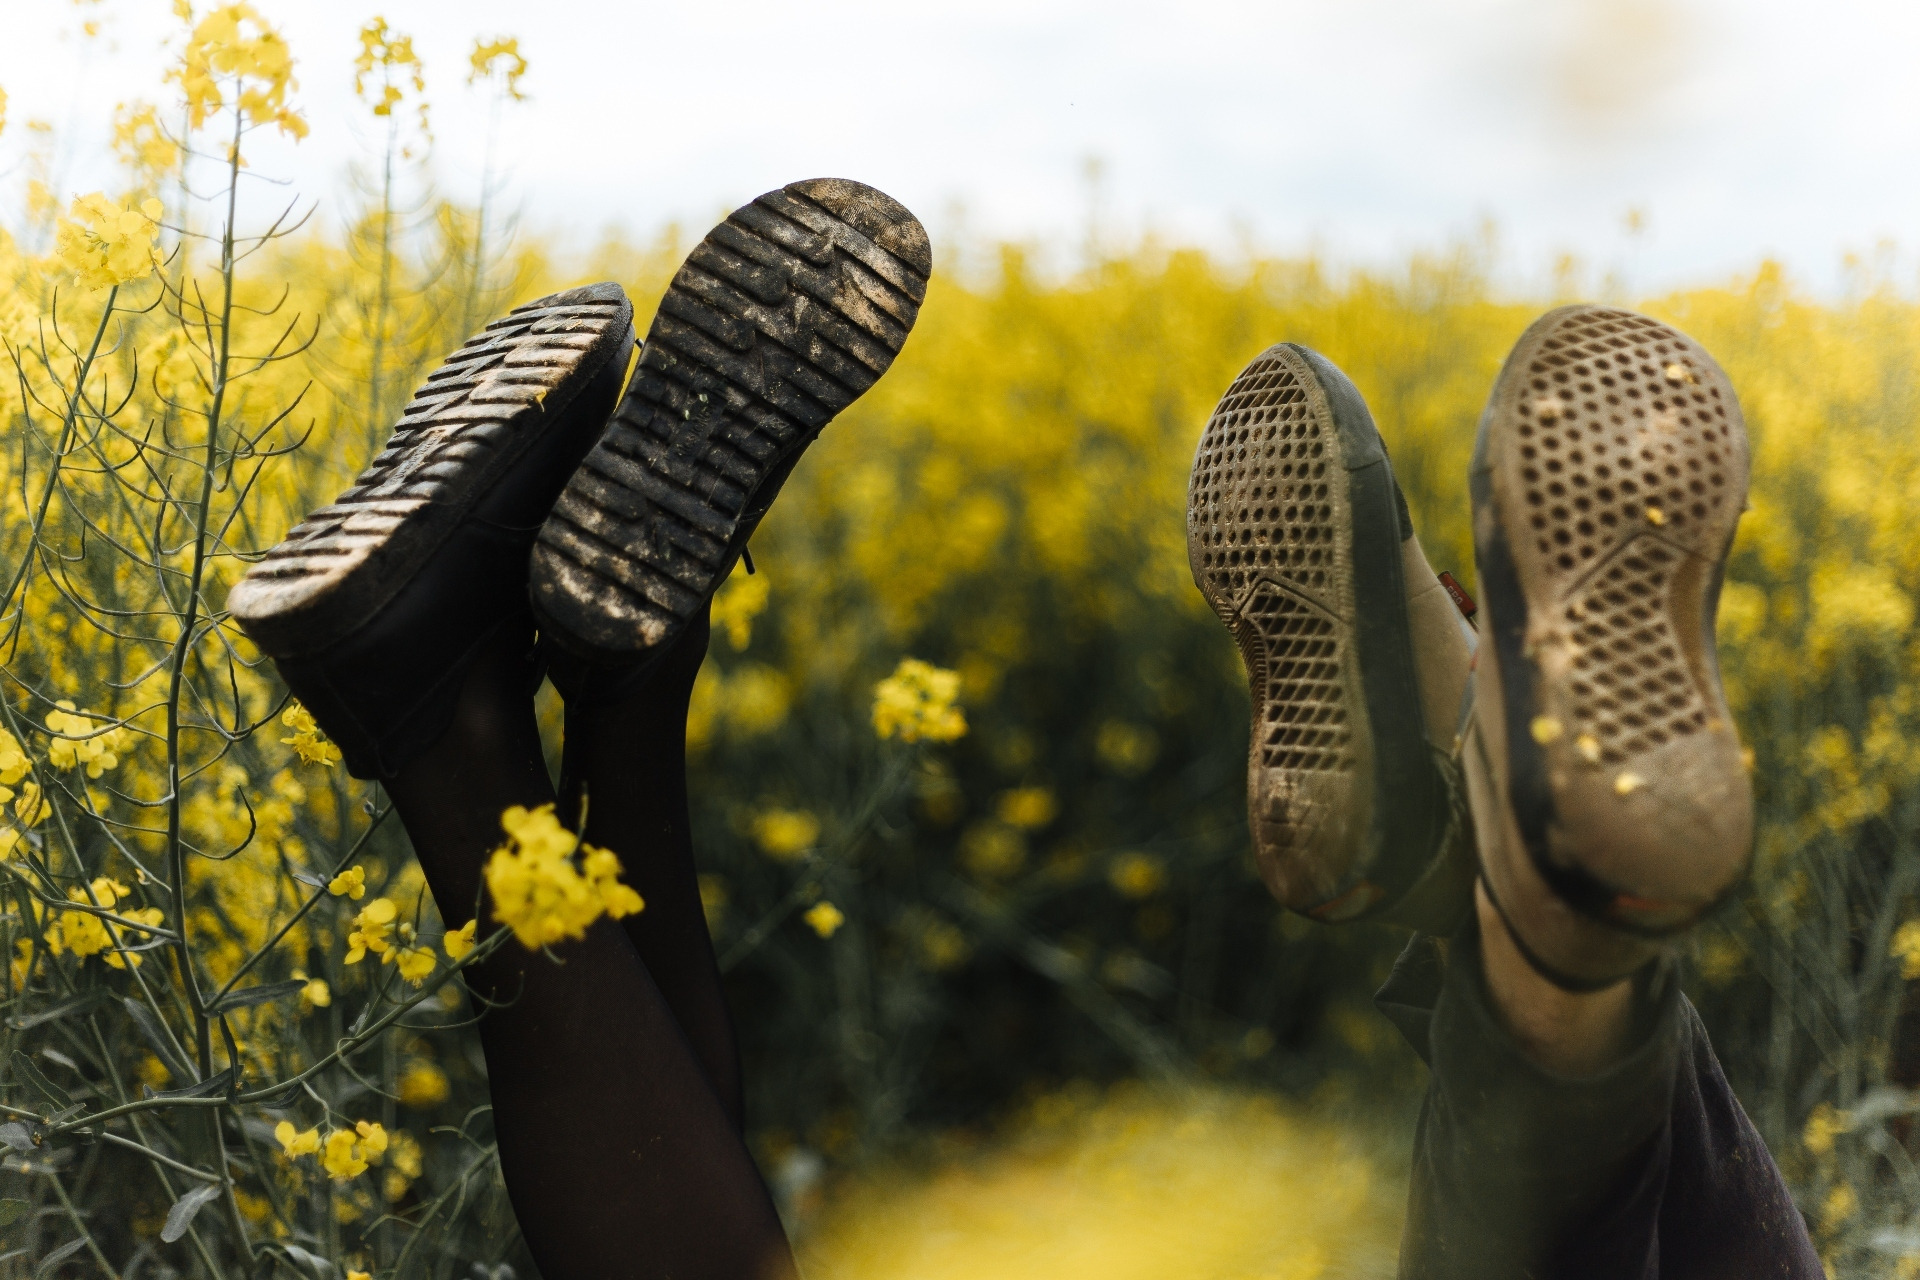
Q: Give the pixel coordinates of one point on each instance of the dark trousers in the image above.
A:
(1648, 1171)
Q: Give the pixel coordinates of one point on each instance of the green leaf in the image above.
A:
(16, 1135)
(11, 1211)
(204, 1089)
(247, 997)
(314, 1264)
(154, 1032)
(53, 1260)
(74, 1008)
(25, 1071)
(180, 1216)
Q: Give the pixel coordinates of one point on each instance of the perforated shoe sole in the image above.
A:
(781, 318)
(1610, 795)
(1296, 536)
(370, 603)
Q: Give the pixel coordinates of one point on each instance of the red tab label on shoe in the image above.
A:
(1461, 600)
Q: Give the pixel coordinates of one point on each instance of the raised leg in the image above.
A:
(620, 1159)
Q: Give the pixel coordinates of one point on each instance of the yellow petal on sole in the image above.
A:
(1546, 729)
(1628, 783)
(1589, 748)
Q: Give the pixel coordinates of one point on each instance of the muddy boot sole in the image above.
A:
(784, 315)
(1613, 804)
(370, 605)
(1294, 534)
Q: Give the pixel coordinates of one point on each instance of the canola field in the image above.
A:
(1012, 999)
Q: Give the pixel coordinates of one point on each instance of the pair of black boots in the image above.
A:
(554, 475)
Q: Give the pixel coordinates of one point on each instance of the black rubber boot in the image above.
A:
(783, 316)
(374, 606)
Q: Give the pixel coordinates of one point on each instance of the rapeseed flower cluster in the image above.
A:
(386, 70)
(919, 702)
(306, 739)
(101, 245)
(544, 892)
(82, 741)
(86, 934)
(344, 1154)
(235, 59)
(377, 931)
(497, 60)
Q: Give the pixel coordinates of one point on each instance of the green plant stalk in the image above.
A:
(189, 620)
(347, 1044)
(311, 902)
(67, 426)
(80, 1225)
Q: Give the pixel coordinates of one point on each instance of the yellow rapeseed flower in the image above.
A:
(538, 890)
(295, 1142)
(141, 141)
(416, 963)
(824, 918)
(351, 883)
(13, 764)
(391, 55)
(316, 994)
(1137, 875)
(423, 1085)
(82, 740)
(1825, 1124)
(458, 942)
(1842, 1203)
(917, 702)
(373, 1141)
(490, 59)
(307, 741)
(1027, 807)
(1905, 947)
(233, 58)
(370, 930)
(101, 244)
(785, 834)
(740, 600)
(32, 808)
(340, 1156)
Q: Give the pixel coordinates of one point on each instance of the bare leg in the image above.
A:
(1568, 1033)
(620, 1160)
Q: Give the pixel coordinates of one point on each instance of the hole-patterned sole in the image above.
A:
(1627, 455)
(1270, 542)
(465, 427)
(1267, 536)
(781, 318)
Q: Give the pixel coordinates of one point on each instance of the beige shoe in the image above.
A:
(1611, 801)
(1356, 655)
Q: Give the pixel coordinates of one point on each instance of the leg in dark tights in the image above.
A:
(619, 1158)
(628, 753)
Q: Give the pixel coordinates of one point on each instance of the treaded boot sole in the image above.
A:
(1294, 532)
(1609, 789)
(467, 426)
(781, 318)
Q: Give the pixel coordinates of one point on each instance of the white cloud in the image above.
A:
(1741, 127)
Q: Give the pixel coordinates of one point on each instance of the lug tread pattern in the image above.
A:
(783, 316)
(455, 435)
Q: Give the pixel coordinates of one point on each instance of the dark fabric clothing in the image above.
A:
(1648, 1171)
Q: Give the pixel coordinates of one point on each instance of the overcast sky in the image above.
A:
(1741, 128)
